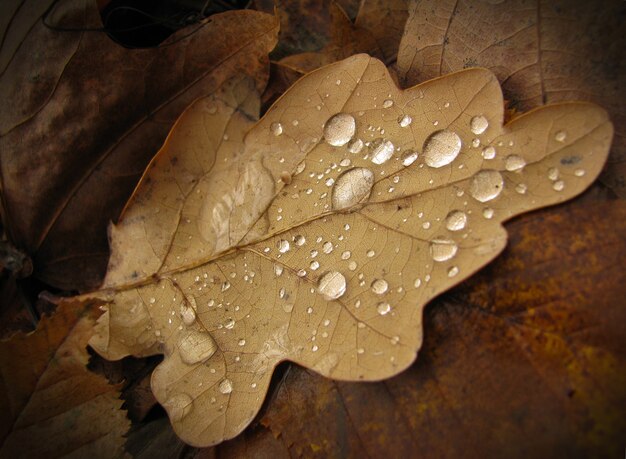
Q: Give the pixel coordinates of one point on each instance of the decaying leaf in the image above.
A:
(319, 236)
(540, 51)
(82, 117)
(51, 405)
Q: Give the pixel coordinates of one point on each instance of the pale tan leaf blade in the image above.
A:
(351, 204)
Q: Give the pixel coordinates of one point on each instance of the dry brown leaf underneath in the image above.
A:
(218, 259)
(52, 405)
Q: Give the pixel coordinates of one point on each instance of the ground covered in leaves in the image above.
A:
(525, 358)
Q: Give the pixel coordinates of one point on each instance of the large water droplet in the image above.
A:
(381, 150)
(380, 286)
(352, 187)
(196, 346)
(332, 285)
(339, 129)
(486, 185)
(479, 124)
(226, 386)
(456, 220)
(178, 406)
(442, 249)
(514, 163)
(441, 148)
(409, 157)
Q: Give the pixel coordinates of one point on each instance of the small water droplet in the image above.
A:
(453, 271)
(488, 213)
(553, 173)
(195, 346)
(332, 285)
(558, 185)
(579, 172)
(327, 247)
(179, 406)
(479, 124)
(409, 157)
(486, 185)
(443, 249)
(352, 187)
(225, 286)
(381, 150)
(314, 265)
(345, 162)
(441, 148)
(299, 240)
(188, 314)
(352, 265)
(383, 308)
(345, 255)
(283, 246)
(356, 146)
(476, 142)
(339, 129)
(226, 386)
(379, 286)
(456, 220)
(241, 342)
(278, 270)
(301, 273)
(417, 283)
(560, 136)
(276, 128)
(514, 163)
(314, 348)
(521, 188)
(230, 323)
(489, 152)
(387, 103)
(370, 253)
(405, 120)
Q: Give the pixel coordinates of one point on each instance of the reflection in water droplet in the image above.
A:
(383, 308)
(276, 128)
(339, 129)
(489, 152)
(352, 187)
(514, 163)
(379, 286)
(195, 346)
(453, 271)
(332, 285)
(409, 157)
(560, 136)
(456, 220)
(486, 185)
(558, 185)
(226, 386)
(387, 103)
(381, 150)
(479, 124)
(405, 121)
(356, 146)
(283, 246)
(442, 249)
(441, 148)
(178, 406)
(488, 213)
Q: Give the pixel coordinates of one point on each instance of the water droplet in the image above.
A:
(346, 255)
(327, 247)
(188, 314)
(488, 213)
(241, 342)
(352, 187)
(383, 308)
(276, 128)
(521, 188)
(178, 406)
(225, 286)
(332, 285)
(283, 246)
(558, 185)
(387, 103)
(314, 348)
(560, 136)
(195, 346)
(553, 173)
(226, 386)
(417, 283)
(476, 142)
(352, 265)
(278, 270)
(380, 286)
(579, 172)
(381, 150)
(356, 146)
(314, 265)
(514, 163)
(345, 162)
(479, 124)
(456, 220)
(486, 185)
(339, 129)
(370, 253)
(443, 249)
(301, 273)
(299, 240)
(409, 157)
(405, 121)
(441, 148)
(453, 271)
(489, 152)
(230, 323)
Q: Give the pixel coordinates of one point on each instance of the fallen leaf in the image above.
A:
(525, 359)
(541, 52)
(297, 242)
(83, 116)
(51, 405)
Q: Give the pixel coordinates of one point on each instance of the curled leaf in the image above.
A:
(319, 235)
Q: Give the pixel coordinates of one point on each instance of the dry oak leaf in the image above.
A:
(542, 52)
(51, 404)
(82, 117)
(319, 235)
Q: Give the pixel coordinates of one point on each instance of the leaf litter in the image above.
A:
(318, 234)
